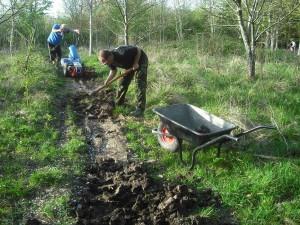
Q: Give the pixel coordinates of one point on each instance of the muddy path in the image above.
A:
(95, 115)
(116, 188)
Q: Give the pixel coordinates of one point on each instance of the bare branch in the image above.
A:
(5, 17)
(254, 5)
(244, 33)
(140, 11)
(248, 8)
(119, 8)
(218, 16)
(277, 22)
(230, 6)
(259, 11)
(118, 21)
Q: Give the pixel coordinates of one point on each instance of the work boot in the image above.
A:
(137, 113)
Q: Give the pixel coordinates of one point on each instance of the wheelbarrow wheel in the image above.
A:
(169, 143)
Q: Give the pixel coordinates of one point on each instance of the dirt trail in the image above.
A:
(103, 132)
(120, 191)
(124, 194)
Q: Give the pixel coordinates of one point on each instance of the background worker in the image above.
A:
(54, 40)
(129, 58)
(292, 46)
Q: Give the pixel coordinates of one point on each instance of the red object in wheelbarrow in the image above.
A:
(187, 122)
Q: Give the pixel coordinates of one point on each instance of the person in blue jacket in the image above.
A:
(54, 40)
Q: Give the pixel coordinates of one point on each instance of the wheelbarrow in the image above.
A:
(180, 122)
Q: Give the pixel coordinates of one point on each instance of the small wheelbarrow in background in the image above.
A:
(187, 122)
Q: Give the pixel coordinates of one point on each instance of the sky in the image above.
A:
(56, 9)
(58, 6)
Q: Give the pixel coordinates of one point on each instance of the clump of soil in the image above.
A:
(99, 106)
(118, 193)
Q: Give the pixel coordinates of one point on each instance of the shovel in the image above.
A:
(100, 88)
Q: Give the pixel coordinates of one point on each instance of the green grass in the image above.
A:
(258, 191)
(32, 164)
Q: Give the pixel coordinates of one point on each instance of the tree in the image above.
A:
(7, 11)
(76, 9)
(178, 6)
(128, 11)
(250, 16)
(32, 19)
(211, 7)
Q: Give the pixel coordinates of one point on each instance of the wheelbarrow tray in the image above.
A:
(193, 124)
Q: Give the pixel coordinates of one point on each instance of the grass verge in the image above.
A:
(37, 162)
(257, 190)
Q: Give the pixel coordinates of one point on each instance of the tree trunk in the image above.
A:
(90, 23)
(211, 18)
(178, 20)
(251, 63)
(126, 22)
(161, 26)
(272, 43)
(269, 32)
(248, 35)
(179, 27)
(252, 53)
(298, 49)
(276, 38)
(267, 40)
(96, 40)
(81, 16)
(126, 34)
(12, 31)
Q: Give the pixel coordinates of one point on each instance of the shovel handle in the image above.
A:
(110, 82)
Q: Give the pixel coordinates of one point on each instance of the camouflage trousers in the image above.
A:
(141, 84)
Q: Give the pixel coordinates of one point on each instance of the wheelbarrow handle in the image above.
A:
(218, 139)
(255, 129)
(223, 138)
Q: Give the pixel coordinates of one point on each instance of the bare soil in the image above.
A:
(117, 193)
(118, 190)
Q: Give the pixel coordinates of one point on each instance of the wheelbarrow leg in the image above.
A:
(180, 151)
(194, 157)
(198, 148)
(219, 148)
(195, 151)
